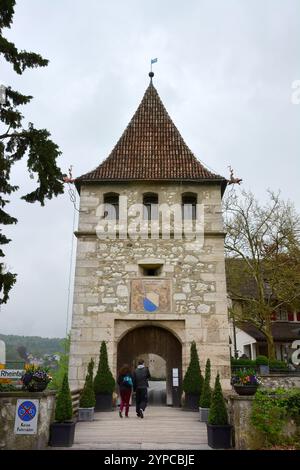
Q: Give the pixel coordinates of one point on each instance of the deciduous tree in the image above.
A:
(263, 258)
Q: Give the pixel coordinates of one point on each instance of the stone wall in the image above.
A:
(11, 441)
(105, 268)
(245, 435)
(280, 381)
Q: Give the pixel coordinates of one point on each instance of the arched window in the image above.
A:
(150, 202)
(111, 206)
(189, 206)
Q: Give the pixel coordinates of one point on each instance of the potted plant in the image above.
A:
(218, 429)
(87, 399)
(205, 398)
(245, 382)
(63, 428)
(104, 383)
(193, 381)
(263, 364)
(35, 378)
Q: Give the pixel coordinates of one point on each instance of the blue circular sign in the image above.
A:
(27, 411)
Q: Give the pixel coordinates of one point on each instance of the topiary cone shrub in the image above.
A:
(193, 380)
(64, 408)
(218, 411)
(87, 397)
(62, 430)
(104, 383)
(205, 398)
(218, 428)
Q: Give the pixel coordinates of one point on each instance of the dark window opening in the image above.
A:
(151, 271)
(150, 202)
(189, 206)
(111, 206)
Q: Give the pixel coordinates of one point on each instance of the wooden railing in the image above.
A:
(75, 394)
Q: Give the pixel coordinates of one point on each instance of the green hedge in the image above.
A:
(274, 364)
(243, 362)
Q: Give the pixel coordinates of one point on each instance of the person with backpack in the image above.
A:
(141, 376)
(125, 383)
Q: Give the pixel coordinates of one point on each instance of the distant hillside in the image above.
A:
(35, 345)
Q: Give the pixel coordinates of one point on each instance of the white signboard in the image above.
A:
(175, 382)
(296, 354)
(15, 374)
(27, 412)
(175, 372)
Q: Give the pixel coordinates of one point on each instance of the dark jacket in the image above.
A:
(141, 376)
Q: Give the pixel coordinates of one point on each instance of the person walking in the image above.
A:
(125, 383)
(141, 376)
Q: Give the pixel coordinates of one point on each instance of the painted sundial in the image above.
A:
(150, 296)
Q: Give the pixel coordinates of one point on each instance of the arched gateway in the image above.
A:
(150, 270)
(152, 339)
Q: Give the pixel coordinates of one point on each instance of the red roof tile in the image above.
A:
(151, 148)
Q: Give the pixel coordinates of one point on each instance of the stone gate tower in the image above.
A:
(150, 294)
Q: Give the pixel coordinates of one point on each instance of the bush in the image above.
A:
(63, 408)
(205, 398)
(262, 361)
(277, 365)
(269, 414)
(293, 404)
(193, 380)
(218, 412)
(104, 381)
(8, 388)
(242, 363)
(87, 397)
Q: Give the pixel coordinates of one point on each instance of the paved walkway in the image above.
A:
(162, 428)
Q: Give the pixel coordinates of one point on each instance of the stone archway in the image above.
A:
(154, 340)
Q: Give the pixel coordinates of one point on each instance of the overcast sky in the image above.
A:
(225, 71)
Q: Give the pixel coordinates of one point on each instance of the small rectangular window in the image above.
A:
(151, 271)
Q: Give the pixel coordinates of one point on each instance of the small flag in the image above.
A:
(153, 61)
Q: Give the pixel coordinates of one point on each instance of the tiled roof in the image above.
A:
(151, 148)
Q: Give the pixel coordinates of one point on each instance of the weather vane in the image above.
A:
(151, 74)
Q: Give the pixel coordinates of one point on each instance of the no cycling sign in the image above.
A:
(27, 411)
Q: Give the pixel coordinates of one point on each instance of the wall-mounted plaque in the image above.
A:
(150, 296)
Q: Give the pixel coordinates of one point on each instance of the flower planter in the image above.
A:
(36, 387)
(245, 389)
(85, 414)
(103, 402)
(203, 414)
(62, 434)
(191, 401)
(219, 436)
